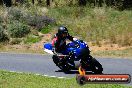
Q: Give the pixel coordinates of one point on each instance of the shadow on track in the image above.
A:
(73, 72)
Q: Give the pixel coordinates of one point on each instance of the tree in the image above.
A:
(82, 2)
(48, 2)
(127, 4)
(19, 1)
(7, 3)
(100, 2)
(39, 1)
(33, 2)
(1, 2)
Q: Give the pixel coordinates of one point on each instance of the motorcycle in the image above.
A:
(77, 54)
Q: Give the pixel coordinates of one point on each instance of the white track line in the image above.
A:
(40, 75)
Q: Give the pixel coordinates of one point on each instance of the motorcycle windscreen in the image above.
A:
(48, 48)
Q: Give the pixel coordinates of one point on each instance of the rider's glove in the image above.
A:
(53, 50)
(74, 39)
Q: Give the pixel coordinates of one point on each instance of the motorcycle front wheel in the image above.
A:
(96, 67)
(64, 68)
(61, 64)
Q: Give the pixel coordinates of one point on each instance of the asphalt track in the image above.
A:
(43, 65)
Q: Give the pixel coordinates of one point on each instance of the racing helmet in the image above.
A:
(62, 30)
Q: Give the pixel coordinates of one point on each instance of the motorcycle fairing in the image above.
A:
(48, 48)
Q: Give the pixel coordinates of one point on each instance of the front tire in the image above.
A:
(64, 68)
(55, 60)
(61, 64)
(96, 67)
(80, 79)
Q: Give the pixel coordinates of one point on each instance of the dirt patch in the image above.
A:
(38, 47)
(108, 47)
(104, 47)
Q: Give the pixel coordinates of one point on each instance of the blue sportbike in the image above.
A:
(76, 54)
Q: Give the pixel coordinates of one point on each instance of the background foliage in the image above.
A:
(92, 20)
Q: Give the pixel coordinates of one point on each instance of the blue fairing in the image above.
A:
(76, 47)
(48, 46)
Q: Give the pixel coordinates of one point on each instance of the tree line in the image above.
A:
(123, 4)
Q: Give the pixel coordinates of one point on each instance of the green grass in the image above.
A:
(114, 53)
(46, 29)
(32, 39)
(96, 24)
(23, 80)
(90, 24)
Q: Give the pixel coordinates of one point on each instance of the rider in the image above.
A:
(59, 43)
(59, 40)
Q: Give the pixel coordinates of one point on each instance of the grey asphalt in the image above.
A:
(43, 64)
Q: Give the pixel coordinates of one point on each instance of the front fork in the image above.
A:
(84, 65)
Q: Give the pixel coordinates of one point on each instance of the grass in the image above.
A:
(25, 49)
(46, 29)
(23, 80)
(32, 39)
(96, 24)
(126, 53)
(115, 53)
(90, 24)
